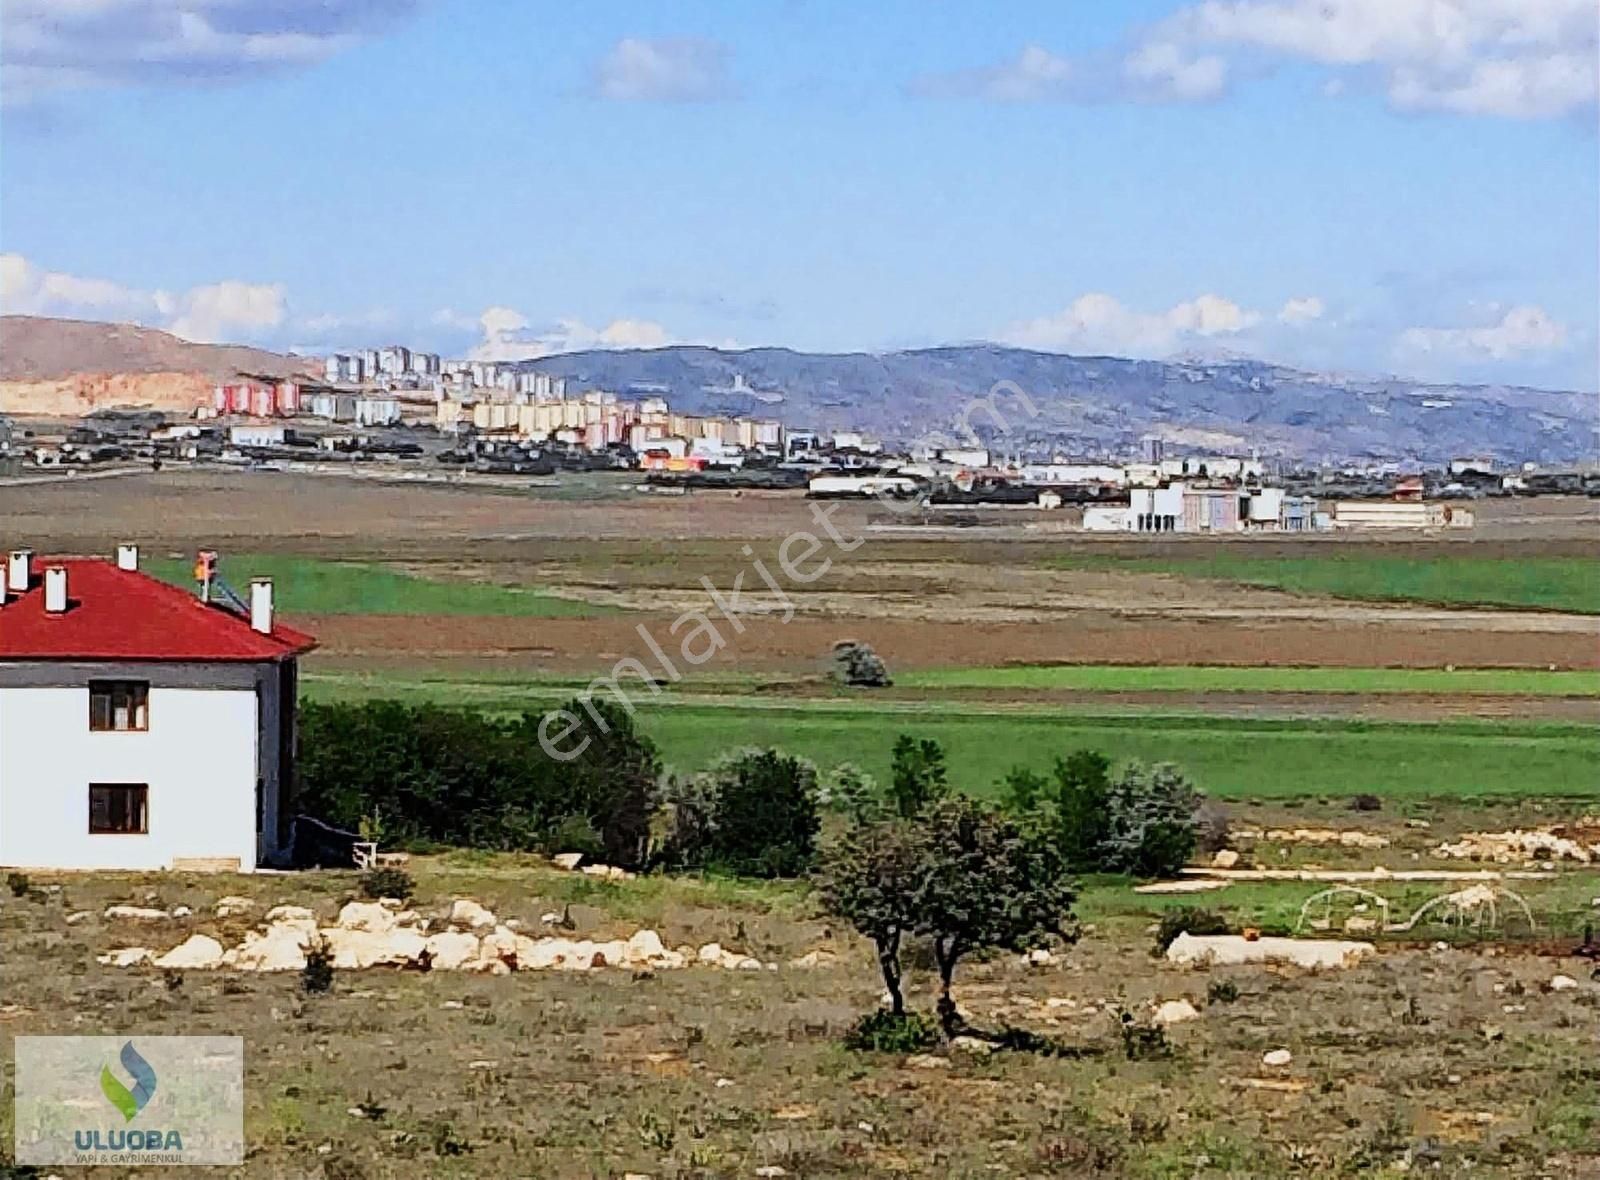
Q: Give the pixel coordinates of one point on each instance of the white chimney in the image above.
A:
(127, 557)
(55, 590)
(19, 571)
(261, 605)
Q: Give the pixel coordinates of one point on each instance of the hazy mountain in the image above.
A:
(1102, 404)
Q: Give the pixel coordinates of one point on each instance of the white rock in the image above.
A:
(749, 964)
(355, 949)
(817, 958)
(136, 913)
(500, 943)
(452, 949)
(927, 1061)
(973, 1045)
(1225, 858)
(368, 917)
(290, 913)
(724, 1083)
(198, 951)
(1175, 1012)
(181, 911)
(466, 912)
(1562, 983)
(79, 916)
(770, 1170)
(567, 860)
(1355, 924)
(544, 954)
(232, 907)
(1234, 950)
(128, 956)
(711, 953)
(550, 918)
(645, 947)
(281, 947)
(1277, 1057)
(1040, 957)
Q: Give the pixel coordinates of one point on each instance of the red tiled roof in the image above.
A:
(117, 614)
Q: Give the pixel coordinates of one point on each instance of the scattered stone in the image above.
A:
(1277, 1057)
(281, 948)
(233, 907)
(770, 1170)
(1225, 858)
(1187, 885)
(711, 953)
(1519, 847)
(866, 1128)
(451, 950)
(927, 1061)
(484, 1064)
(290, 913)
(567, 860)
(198, 952)
(181, 911)
(136, 913)
(128, 956)
(1175, 1012)
(550, 917)
(1231, 950)
(78, 917)
(1040, 957)
(466, 912)
(1356, 924)
(723, 1083)
(794, 1113)
(974, 1045)
(367, 917)
(1562, 983)
(815, 959)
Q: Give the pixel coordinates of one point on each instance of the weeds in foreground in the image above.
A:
(884, 1032)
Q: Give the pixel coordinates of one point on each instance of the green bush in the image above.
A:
(917, 775)
(1188, 920)
(444, 776)
(753, 812)
(316, 976)
(388, 882)
(19, 884)
(1069, 806)
(884, 1031)
(1221, 991)
(1151, 821)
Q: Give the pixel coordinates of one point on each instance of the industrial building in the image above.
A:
(141, 727)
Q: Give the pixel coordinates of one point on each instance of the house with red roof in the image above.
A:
(142, 726)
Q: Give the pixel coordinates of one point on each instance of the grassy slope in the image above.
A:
(311, 586)
(1227, 756)
(1548, 583)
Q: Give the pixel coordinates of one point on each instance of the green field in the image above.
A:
(1229, 757)
(1545, 583)
(1361, 681)
(308, 585)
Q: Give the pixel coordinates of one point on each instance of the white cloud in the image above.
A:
(49, 46)
(682, 69)
(507, 336)
(1301, 310)
(214, 313)
(1521, 330)
(1099, 323)
(1522, 59)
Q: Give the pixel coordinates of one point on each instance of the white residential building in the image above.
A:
(141, 728)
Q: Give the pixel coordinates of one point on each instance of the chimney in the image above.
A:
(127, 557)
(19, 571)
(261, 605)
(55, 590)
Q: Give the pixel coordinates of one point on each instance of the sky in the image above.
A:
(1361, 186)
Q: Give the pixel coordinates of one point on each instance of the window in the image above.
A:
(119, 809)
(119, 705)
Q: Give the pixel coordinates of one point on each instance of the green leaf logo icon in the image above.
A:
(118, 1094)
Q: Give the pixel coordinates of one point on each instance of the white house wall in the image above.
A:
(199, 758)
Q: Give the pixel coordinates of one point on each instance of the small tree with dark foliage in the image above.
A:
(1069, 806)
(1151, 821)
(917, 775)
(985, 881)
(870, 877)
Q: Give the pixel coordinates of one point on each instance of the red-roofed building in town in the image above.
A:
(141, 726)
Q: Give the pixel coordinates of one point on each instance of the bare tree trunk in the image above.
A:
(889, 964)
(945, 954)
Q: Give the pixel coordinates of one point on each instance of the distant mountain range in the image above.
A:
(1087, 405)
(1100, 405)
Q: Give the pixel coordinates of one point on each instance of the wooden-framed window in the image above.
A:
(119, 809)
(119, 706)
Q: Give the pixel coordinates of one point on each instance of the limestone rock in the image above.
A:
(355, 948)
(128, 956)
(1225, 858)
(290, 913)
(233, 907)
(1277, 1058)
(368, 917)
(567, 860)
(1236, 950)
(466, 912)
(451, 950)
(1562, 983)
(281, 947)
(198, 951)
(1175, 1012)
(136, 913)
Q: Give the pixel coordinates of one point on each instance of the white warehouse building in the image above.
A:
(140, 727)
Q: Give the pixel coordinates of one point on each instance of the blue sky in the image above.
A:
(1403, 186)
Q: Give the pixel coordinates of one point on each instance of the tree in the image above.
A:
(918, 775)
(1152, 820)
(983, 880)
(1069, 807)
(869, 878)
(854, 793)
(858, 666)
(753, 812)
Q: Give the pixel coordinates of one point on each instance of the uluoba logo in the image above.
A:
(129, 1145)
(129, 1102)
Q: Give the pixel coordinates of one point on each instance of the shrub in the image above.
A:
(317, 975)
(883, 1031)
(1150, 821)
(1069, 807)
(1141, 1040)
(858, 666)
(1221, 991)
(1188, 920)
(753, 812)
(869, 878)
(459, 777)
(387, 882)
(1365, 802)
(854, 793)
(19, 884)
(918, 776)
(576, 833)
